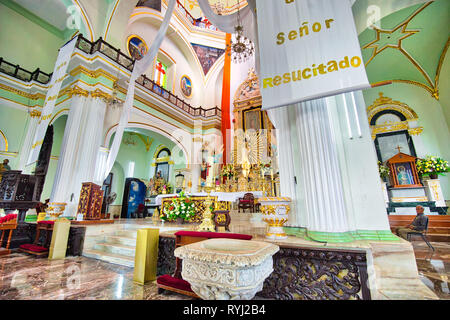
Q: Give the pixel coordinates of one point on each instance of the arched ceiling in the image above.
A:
(409, 45)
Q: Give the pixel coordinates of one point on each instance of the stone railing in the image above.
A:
(123, 60)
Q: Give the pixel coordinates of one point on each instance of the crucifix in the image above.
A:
(399, 149)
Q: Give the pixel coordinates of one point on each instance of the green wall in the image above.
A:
(13, 123)
(27, 43)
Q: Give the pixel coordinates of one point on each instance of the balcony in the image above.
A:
(123, 60)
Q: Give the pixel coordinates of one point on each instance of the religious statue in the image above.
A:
(150, 188)
(159, 184)
(205, 169)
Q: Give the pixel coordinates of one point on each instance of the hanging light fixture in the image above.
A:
(241, 48)
(113, 100)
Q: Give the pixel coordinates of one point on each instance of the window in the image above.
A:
(161, 74)
(387, 145)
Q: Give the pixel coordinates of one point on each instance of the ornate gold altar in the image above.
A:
(254, 145)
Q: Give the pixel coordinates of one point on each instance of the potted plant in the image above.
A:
(180, 209)
(384, 171)
(432, 166)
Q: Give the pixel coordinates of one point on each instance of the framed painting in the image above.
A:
(137, 48)
(186, 86)
(252, 120)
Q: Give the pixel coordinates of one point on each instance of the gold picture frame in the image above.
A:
(252, 119)
(131, 37)
(186, 86)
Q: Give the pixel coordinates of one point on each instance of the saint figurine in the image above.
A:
(159, 182)
(205, 170)
(150, 188)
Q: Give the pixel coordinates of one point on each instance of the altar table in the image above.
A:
(221, 196)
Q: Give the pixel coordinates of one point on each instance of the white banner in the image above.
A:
(140, 67)
(59, 73)
(309, 49)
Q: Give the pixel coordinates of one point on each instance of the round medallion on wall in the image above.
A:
(186, 86)
(137, 48)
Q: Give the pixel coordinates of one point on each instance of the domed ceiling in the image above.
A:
(409, 46)
(226, 6)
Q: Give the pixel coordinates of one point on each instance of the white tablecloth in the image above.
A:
(221, 196)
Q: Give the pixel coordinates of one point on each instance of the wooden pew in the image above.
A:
(438, 226)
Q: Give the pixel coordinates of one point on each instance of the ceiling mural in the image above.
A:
(207, 56)
(152, 4)
(409, 46)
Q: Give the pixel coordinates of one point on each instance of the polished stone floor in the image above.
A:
(24, 277)
(434, 267)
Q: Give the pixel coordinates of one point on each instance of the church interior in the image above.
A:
(138, 160)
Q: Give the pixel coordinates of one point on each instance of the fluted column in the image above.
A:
(280, 119)
(80, 148)
(319, 167)
(28, 141)
(90, 140)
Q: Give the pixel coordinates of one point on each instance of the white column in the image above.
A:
(90, 141)
(69, 151)
(365, 203)
(319, 165)
(79, 151)
(28, 142)
(280, 119)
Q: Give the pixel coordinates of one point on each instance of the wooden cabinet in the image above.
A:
(91, 199)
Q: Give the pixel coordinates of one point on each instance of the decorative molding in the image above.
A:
(77, 91)
(248, 94)
(21, 93)
(5, 139)
(34, 113)
(432, 88)
(385, 103)
(100, 94)
(415, 131)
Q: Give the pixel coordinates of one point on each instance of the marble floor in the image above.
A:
(434, 267)
(23, 277)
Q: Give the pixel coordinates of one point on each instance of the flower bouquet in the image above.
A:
(432, 166)
(228, 171)
(383, 170)
(181, 207)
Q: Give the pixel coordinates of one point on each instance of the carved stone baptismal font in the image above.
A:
(226, 269)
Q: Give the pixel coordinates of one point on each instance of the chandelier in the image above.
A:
(241, 48)
(113, 100)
